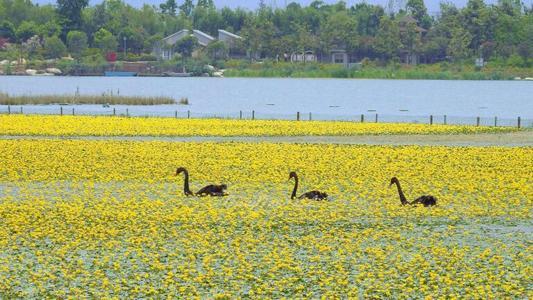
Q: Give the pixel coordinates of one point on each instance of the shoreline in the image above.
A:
(283, 77)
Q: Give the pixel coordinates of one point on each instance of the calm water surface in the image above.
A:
(333, 97)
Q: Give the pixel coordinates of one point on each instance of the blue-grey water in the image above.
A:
(283, 97)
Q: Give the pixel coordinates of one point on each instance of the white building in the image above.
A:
(164, 48)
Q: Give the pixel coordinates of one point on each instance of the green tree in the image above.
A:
(458, 47)
(170, 7)
(26, 30)
(105, 41)
(16, 11)
(476, 19)
(135, 38)
(205, 4)
(525, 46)
(435, 46)
(387, 42)
(367, 18)
(258, 36)
(186, 46)
(305, 40)
(339, 30)
(187, 7)
(77, 43)
(411, 39)
(207, 20)
(418, 10)
(217, 50)
(50, 28)
(54, 47)
(7, 30)
(70, 12)
(508, 27)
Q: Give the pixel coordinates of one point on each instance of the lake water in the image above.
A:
(325, 98)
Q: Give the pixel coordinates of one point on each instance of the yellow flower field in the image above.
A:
(95, 219)
(122, 126)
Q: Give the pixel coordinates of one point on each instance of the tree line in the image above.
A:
(500, 32)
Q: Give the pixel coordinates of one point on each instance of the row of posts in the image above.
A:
(298, 116)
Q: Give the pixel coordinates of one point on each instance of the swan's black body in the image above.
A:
(426, 200)
(210, 190)
(213, 191)
(312, 195)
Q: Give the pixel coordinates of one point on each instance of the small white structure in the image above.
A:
(307, 56)
(339, 56)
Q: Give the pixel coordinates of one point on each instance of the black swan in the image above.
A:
(312, 195)
(426, 200)
(210, 190)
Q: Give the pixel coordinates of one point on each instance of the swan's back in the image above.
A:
(314, 195)
(426, 200)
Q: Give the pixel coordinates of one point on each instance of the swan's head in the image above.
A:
(393, 181)
(180, 170)
(293, 175)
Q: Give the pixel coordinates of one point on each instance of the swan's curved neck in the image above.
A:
(186, 188)
(293, 195)
(400, 192)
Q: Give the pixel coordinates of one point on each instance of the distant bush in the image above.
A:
(147, 57)
(515, 61)
(132, 57)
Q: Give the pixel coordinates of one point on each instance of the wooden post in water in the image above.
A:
(240, 114)
(188, 114)
(61, 110)
(519, 122)
(176, 114)
(376, 118)
(298, 116)
(444, 119)
(73, 111)
(9, 109)
(127, 112)
(310, 117)
(114, 111)
(495, 121)
(431, 120)
(253, 114)
(477, 121)
(362, 118)
(21, 110)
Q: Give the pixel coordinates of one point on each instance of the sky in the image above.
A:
(432, 5)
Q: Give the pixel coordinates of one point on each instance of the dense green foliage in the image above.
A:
(501, 33)
(442, 71)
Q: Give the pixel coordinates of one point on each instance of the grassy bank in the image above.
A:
(441, 71)
(6, 99)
